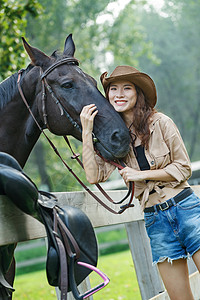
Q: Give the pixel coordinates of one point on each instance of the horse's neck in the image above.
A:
(18, 133)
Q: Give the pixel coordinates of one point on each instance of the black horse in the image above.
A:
(73, 88)
(53, 91)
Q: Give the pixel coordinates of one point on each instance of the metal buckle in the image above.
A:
(163, 208)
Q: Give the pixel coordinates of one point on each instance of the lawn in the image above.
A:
(118, 267)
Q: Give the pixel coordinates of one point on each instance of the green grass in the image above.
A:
(123, 282)
(33, 286)
(118, 267)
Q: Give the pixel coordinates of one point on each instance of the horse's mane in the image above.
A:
(8, 87)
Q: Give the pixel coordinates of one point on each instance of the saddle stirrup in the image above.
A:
(73, 284)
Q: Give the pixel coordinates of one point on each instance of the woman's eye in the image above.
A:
(67, 85)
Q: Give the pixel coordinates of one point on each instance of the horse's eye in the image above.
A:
(67, 85)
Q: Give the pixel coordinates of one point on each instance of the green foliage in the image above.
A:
(61, 18)
(174, 33)
(13, 23)
(126, 38)
(93, 39)
(61, 179)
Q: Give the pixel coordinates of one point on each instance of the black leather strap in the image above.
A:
(66, 60)
(167, 204)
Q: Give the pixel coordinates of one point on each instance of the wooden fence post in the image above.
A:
(148, 277)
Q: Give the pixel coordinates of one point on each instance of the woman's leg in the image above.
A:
(176, 279)
(196, 259)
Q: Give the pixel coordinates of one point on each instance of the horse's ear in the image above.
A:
(37, 57)
(69, 48)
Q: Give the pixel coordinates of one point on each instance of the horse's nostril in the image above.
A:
(116, 136)
(120, 142)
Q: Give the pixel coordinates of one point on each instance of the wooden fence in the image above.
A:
(41, 244)
(18, 227)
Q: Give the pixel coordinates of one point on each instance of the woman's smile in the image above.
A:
(123, 97)
(120, 102)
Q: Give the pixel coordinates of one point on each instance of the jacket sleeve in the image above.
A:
(180, 166)
(105, 169)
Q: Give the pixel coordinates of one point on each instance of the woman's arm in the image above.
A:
(180, 166)
(130, 174)
(89, 162)
(175, 172)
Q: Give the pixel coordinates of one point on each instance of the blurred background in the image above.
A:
(161, 38)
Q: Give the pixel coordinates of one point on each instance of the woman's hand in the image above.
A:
(87, 116)
(130, 174)
(89, 161)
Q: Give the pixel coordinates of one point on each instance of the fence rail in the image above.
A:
(41, 243)
(18, 227)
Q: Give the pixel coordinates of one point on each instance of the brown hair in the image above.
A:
(141, 116)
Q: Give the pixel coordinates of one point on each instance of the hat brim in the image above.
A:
(142, 80)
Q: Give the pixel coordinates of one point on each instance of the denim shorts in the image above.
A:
(175, 232)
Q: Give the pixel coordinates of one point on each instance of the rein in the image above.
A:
(77, 126)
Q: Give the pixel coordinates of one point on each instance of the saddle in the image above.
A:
(72, 247)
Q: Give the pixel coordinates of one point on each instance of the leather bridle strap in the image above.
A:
(62, 258)
(78, 179)
(119, 166)
(24, 100)
(66, 60)
(67, 234)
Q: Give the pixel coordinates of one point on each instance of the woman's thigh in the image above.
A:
(196, 259)
(176, 279)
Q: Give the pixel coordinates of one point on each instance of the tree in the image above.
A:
(174, 33)
(127, 38)
(13, 24)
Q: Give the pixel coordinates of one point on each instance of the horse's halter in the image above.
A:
(72, 60)
(45, 86)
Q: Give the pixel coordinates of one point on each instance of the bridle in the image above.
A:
(46, 86)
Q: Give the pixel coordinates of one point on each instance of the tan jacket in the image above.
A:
(166, 151)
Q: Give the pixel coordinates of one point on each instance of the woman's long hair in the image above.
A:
(141, 117)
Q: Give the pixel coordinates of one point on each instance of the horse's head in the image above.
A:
(68, 89)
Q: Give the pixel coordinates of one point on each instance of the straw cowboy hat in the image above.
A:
(142, 80)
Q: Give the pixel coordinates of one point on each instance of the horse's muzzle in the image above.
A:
(114, 145)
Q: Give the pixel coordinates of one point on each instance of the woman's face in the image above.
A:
(123, 96)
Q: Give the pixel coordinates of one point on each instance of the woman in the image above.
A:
(159, 165)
